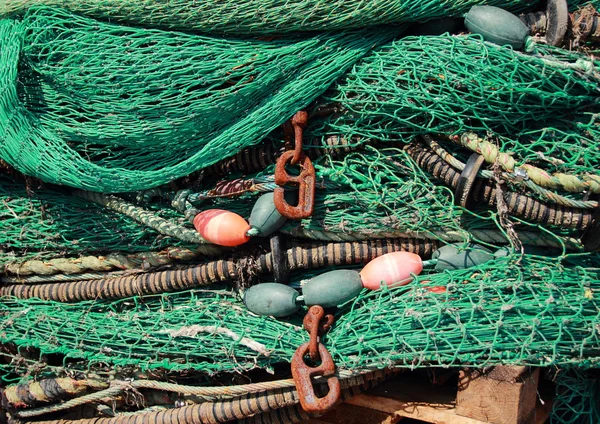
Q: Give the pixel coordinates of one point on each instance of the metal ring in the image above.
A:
(462, 194)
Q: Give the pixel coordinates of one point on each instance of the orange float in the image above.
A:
(391, 269)
(222, 227)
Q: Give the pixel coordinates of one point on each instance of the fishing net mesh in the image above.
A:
(537, 104)
(578, 397)
(137, 108)
(542, 314)
(266, 17)
(52, 222)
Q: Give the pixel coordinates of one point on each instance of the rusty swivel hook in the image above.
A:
(315, 323)
(305, 181)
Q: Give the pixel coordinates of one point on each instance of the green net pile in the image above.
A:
(136, 108)
(267, 17)
(54, 223)
(539, 102)
(542, 313)
(380, 191)
(104, 107)
(368, 192)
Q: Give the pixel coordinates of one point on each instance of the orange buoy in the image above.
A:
(222, 227)
(391, 269)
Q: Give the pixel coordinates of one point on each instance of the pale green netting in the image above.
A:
(135, 108)
(370, 191)
(540, 313)
(53, 223)
(540, 102)
(270, 16)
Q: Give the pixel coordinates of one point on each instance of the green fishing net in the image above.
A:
(112, 108)
(267, 17)
(539, 102)
(578, 397)
(135, 109)
(544, 312)
(380, 191)
(375, 192)
(370, 191)
(51, 222)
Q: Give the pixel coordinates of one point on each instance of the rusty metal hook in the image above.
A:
(302, 374)
(299, 121)
(306, 182)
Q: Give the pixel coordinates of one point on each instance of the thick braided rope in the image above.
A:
(317, 255)
(110, 262)
(547, 194)
(49, 390)
(142, 216)
(36, 279)
(488, 236)
(348, 378)
(492, 154)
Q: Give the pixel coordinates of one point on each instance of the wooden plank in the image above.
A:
(352, 414)
(504, 395)
(438, 413)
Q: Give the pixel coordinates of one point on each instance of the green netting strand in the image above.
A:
(577, 397)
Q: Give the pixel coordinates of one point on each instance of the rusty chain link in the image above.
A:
(305, 181)
(316, 323)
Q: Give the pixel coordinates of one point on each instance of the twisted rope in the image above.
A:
(142, 216)
(313, 256)
(547, 194)
(492, 154)
(348, 378)
(488, 236)
(295, 413)
(485, 192)
(143, 260)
